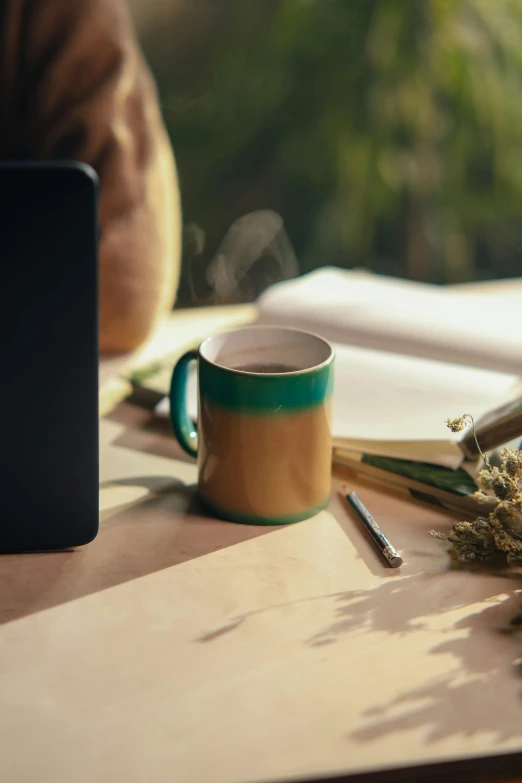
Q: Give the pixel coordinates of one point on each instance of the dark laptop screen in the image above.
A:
(49, 374)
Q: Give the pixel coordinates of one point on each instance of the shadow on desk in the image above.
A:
(477, 648)
(147, 434)
(147, 524)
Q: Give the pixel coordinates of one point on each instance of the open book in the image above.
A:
(408, 356)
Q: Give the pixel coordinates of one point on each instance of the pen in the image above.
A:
(387, 550)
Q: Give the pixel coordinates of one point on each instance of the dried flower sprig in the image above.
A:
(457, 425)
(500, 533)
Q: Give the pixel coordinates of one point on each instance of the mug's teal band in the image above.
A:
(184, 430)
(265, 394)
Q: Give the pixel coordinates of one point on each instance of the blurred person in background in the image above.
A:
(74, 86)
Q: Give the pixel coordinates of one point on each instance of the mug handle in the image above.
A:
(184, 430)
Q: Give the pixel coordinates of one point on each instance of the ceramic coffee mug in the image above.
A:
(263, 439)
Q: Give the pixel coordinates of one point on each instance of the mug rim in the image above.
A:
(266, 327)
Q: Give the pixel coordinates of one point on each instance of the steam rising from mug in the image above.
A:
(255, 253)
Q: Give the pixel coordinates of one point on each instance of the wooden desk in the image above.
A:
(179, 648)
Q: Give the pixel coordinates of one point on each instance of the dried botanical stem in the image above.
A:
(501, 531)
(457, 425)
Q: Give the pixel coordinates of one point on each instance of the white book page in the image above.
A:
(397, 405)
(359, 308)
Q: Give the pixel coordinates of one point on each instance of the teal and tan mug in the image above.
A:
(263, 440)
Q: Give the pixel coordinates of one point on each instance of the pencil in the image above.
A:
(385, 547)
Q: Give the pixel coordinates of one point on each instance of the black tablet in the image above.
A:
(49, 354)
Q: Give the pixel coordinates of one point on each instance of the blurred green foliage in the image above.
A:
(387, 133)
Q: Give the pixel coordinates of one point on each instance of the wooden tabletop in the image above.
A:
(176, 647)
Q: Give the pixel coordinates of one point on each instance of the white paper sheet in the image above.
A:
(395, 405)
(359, 308)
